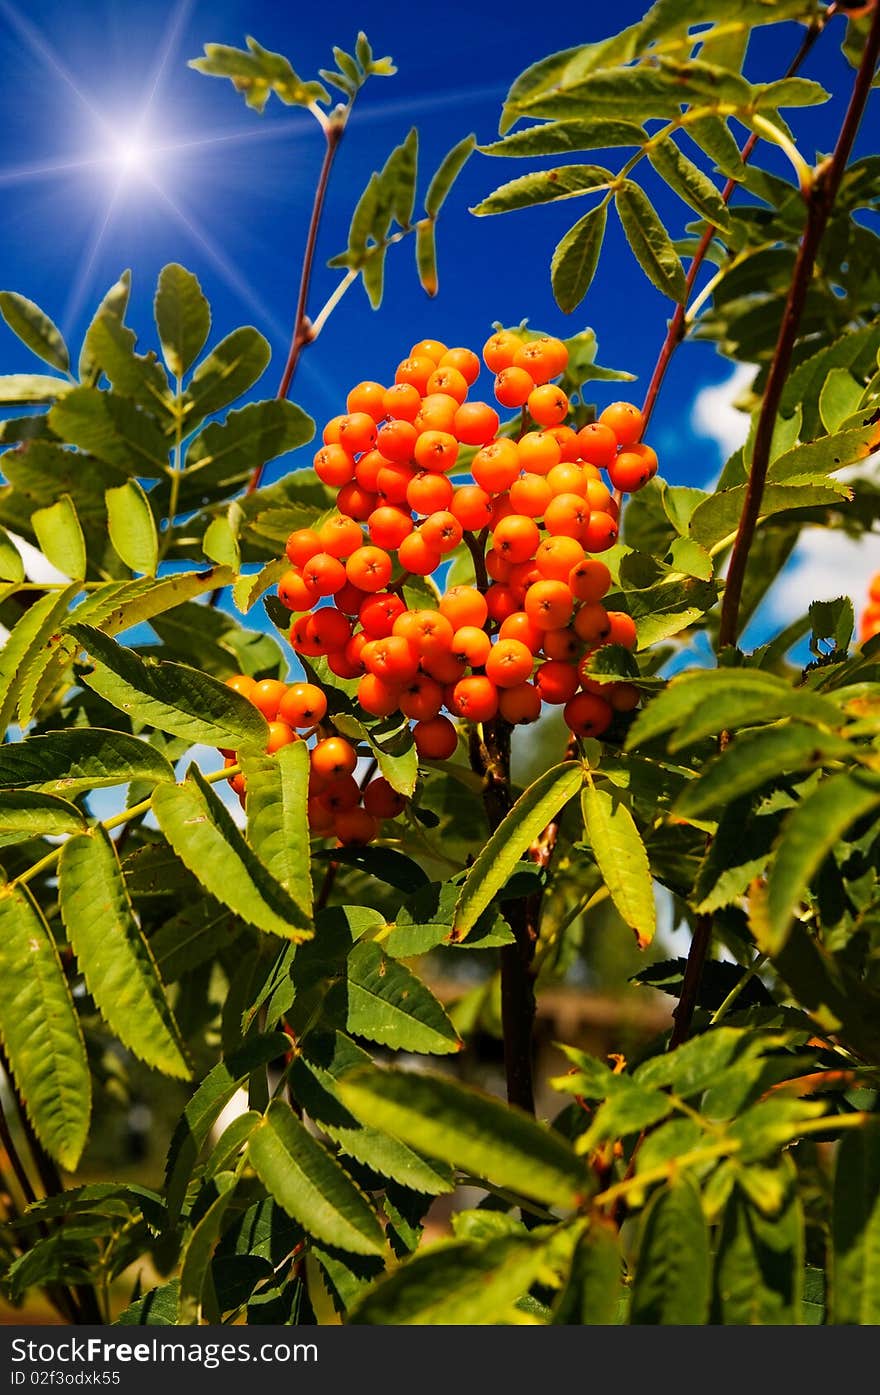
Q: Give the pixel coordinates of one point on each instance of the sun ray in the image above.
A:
(43, 50)
(82, 277)
(22, 174)
(179, 15)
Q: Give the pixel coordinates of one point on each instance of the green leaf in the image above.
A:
(759, 1265)
(68, 762)
(110, 349)
(310, 1185)
(531, 813)
(470, 1130)
(456, 1282)
(567, 138)
(620, 853)
(225, 454)
(716, 520)
(172, 697)
(207, 1103)
(576, 257)
(704, 702)
(671, 1286)
(28, 389)
(200, 830)
(544, 186)
(133, 527)
(754, 759)
(113, 306)
(157, 1308)
(41, 1033)
(115, 958)
(25, 645)
(220, 541)
(257, 72)
(183, 317)
(122, 605)
(712, 135)
(592, 1291)
(113, 429)
(60, 537)
(11, 562)
(808, 836)
(447, 172)
(35, 329)
(840, 397)
(808, 464)
(228, 371)
(426, 256)
(388, 1004)
(855, 1229)
(199, 931)
(24, 813)
(278, 829)
(650, 242)
(250, 587)
(196, 1297)
(689, 182)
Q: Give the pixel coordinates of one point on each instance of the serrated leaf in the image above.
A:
(132, 527)
(576, 257)
(620, 853)
(29, 389)
(759, 1265)
(197, 932)
(855, 1230)
(671, 1285)
(202, 833)
(206, 1104)
(567, 138)
(717, 518)
(157, 1308)
(41, 1033)
(121, 605)
(840, 397)
(446, 174)
(114, 304)
(543, 186)
(531, 813)
(650, 242)
(110, 349)
(183, 317)
(754, 759)
(26, 813)
(310, 1185)
(689, 182)
(459, 1281)
(115, 958)
(808, 835)
(170, 696)
(712, 135)
(34, 328)
(60, 537)
(249, 588)
(220, 543)
(11, 562)
(278, 829)
(196, 1297)
(225, 453)
(592, 1291)
(67, 762)
(468, 1129)
(229, 370)
(26, 644)
(702, 703)
(808, 464)
(389, 1004)
(112, 428)
(256, 72)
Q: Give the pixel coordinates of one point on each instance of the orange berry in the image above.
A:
(557, 556)
(549, 604)
(449, 381)
(496, 466)
(548, 405)
(539, 451)
(429, 493)
(629, 473)
(510, 663)
(599, 533)
(266, 697)
(379, 612)
(367, 397)
(320, 817)
(472, 506)
(501, 508)
(567, 515)
(435, 451)
(472, 645)
(396, 440)
(303, 705)
(497, 567)
(402, 401)
(592, 624)
(622, 629)
(567, 440)
(328, 629)
(516, 538)
(392, 482)
(475, 423)
(587, 715)
(241, 683)
(376, 696)
(520, 705)
(356, 502)
(646, 453)
(341, 793)
(393, 659)
(369, 568)
(625, 420)
(589, 579)
(437, 413)
(562, 644)
(416, 555)
(333, 757)
(334, 466)
(502, 601)
(500, 349)
(357, 432)
(428, 630)
(446, 667)
(295, 594)
(421, 698)
(436, 739)
(567, 478)
(389, 526)
(475, 698)
(442, 531)
(518, 626)
(415, 370)
(465, 361)
(464, 605)
(382, 800)
(280, 734)
(330, 434)
(624, 697)
(557, 682)
(429, 348)
(323, 574)
(355, 828)
(340, 536)
(598, 496)
(339, 663)
(302, 545)
(512, 387)
(544, 358)
(530, 495)
(598, 444)
(301, 640)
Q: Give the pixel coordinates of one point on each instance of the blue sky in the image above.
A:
(237, 186)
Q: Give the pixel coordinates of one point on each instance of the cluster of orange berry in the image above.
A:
(870, 621)
(532, 508)
(338, 805)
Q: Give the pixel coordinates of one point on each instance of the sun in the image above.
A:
(132, 157)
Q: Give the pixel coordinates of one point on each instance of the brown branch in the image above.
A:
(677, 329)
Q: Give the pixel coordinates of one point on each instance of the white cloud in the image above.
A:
(714, 415)
(825, 564)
